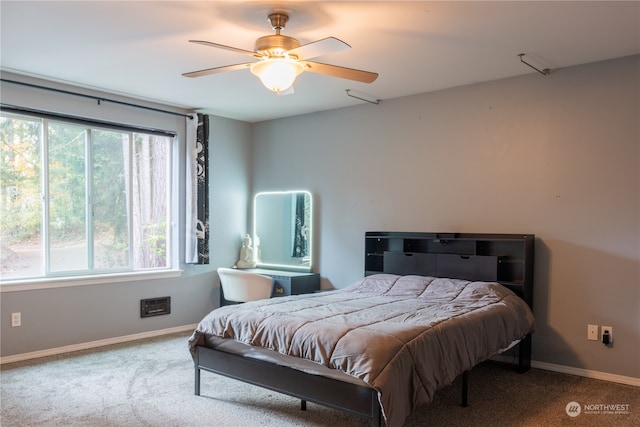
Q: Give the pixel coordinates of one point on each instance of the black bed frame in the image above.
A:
(504, 258)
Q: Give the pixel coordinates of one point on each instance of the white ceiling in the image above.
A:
(140, 48)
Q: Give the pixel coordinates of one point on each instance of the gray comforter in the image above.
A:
(405, 336)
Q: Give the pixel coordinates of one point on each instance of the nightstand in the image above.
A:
(291, 282)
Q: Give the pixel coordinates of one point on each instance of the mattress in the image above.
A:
(404, 336)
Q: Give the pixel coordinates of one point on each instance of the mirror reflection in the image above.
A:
(282, 230)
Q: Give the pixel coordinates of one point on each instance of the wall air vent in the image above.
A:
(155, 306)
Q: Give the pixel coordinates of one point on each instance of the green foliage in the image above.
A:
(20, 214)
(155, 242)
(96, 178)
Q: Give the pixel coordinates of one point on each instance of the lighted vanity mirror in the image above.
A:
(282, 230)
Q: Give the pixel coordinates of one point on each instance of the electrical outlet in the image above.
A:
(592, 332)
(16, 319)
(607, 330)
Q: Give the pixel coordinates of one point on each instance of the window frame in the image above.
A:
(86, 277)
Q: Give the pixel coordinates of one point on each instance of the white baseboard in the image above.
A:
(604, 376)
(94, 344)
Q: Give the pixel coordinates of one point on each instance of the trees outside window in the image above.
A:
(81, 200)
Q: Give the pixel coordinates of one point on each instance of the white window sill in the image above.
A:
(63, 282)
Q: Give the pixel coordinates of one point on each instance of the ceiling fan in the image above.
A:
(279, 59)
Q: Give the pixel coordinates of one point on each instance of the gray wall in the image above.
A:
(66, 316)
(557, 156)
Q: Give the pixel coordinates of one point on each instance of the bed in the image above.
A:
(429, 307)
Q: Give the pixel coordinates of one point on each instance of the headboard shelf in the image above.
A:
(504, 258)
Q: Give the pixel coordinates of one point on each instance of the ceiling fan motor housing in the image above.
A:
(275, 44)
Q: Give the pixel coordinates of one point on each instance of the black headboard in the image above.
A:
(502, 258)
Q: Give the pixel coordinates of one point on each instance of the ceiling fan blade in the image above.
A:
(222, 46)
(342, 72)
(217, 70)
(319, 48)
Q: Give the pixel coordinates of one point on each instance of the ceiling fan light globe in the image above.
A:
(277, 74)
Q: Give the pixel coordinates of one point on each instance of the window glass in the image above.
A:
(111, 153)
(20, 198)
(149, 201)
(67, 197)
(96, 202)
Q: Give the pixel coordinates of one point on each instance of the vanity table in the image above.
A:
(291, 282)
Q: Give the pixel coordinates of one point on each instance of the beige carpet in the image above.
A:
(150, 383)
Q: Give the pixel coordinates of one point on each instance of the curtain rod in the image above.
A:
(96, 98)
(83, 121)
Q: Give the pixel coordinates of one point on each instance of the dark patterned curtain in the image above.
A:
(300, 232)
(203, 188)
(197, 235)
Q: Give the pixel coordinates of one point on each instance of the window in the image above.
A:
(81, 199)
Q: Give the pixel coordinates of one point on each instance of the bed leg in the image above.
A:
(197, 382)
(465, 389)
(303, 405)
(377, 420)
(524, 354)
